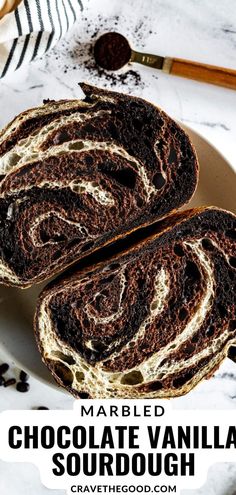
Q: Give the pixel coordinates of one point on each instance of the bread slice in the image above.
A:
(150, 322)
(75, 175)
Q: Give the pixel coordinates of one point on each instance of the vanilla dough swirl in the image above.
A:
(77, 174)
(151, 322)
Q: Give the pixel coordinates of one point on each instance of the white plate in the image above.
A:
(216, 187)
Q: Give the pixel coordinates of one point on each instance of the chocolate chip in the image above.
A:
(22, 386)
(9, 382)
(2, 381)
(23, 376)
(4, 368)
(83, 395)
(42, 408)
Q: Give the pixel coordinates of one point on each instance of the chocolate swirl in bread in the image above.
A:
(75, 175)
(150, 322)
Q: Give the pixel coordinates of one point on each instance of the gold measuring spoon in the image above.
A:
(112, 51)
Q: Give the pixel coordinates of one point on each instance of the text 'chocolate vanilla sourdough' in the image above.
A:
(158, 316)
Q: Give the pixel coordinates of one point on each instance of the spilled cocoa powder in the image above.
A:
(128, 77)
(77, 52)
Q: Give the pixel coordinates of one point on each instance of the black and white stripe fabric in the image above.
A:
(32, 28)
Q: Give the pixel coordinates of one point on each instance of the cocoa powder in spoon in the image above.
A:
(112, 51)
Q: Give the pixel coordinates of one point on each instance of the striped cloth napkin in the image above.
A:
(32, 28)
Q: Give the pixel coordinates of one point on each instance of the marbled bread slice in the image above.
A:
(151, 322)
(77, 174)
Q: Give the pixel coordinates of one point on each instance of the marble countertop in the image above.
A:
(199, 30)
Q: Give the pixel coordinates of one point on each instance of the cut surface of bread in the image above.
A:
(151, 322)
(77, 174)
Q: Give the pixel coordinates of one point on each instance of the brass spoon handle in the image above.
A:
(219, 76)
(147, 59)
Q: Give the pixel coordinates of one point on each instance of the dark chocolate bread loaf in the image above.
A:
(75, 175)
(151, 322)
